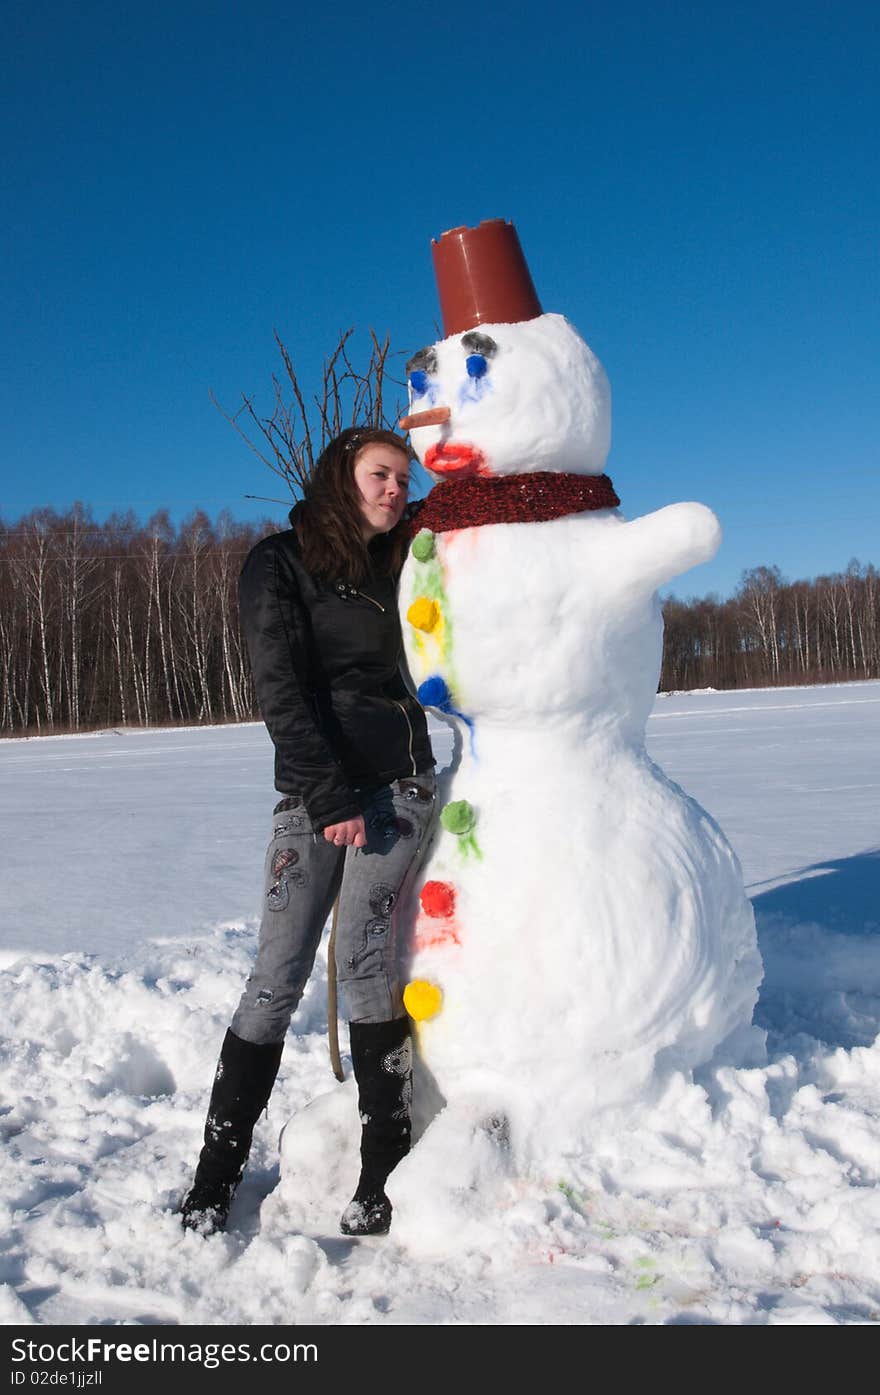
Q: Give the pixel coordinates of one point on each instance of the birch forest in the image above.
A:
(128, 624)
(775, 632)
(123, 623)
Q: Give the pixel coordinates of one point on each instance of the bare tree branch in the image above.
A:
(290, 439)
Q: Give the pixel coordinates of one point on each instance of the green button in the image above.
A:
(423, 545)
(458, 817)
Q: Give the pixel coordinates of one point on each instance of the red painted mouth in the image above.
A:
(454, 460)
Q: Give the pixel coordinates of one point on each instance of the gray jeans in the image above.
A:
(304, 874)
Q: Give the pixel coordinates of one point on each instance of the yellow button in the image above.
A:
(423, 614)
(422, 999)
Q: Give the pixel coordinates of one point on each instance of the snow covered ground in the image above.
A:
(130, 882)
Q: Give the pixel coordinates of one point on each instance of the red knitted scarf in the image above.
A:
(534, 498)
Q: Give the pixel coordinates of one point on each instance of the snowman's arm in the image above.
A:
(661, 545)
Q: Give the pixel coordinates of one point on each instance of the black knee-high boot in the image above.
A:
(381, 1054)
(242, 1086)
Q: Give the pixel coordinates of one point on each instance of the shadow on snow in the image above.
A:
(819, 937)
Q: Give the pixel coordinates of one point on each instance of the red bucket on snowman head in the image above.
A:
(482, 277)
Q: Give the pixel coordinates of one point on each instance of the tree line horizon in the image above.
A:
(122, 623)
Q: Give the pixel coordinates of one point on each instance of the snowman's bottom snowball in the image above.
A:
(538, 1118)
(603, 940)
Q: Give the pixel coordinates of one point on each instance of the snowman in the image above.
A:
(581, 925)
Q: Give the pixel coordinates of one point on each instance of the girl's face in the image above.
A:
(381, 478)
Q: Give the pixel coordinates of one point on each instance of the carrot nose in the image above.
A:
(434, 416)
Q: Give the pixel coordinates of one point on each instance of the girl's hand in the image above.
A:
(350, 833)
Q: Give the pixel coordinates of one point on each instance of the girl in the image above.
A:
(354, 767)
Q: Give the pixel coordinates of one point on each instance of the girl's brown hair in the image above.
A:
(328, 522)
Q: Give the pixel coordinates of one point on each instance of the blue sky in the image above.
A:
(695, 186)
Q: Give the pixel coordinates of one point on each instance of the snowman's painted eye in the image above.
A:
(418, 381)
(476, 365)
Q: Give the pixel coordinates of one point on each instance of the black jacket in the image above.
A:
(326, 663)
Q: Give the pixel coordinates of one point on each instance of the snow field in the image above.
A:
(748, 1195)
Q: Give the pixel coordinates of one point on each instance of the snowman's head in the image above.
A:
(505, 399)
